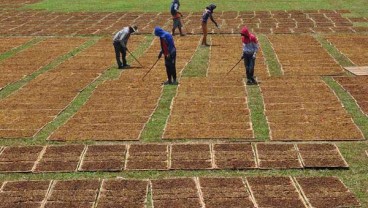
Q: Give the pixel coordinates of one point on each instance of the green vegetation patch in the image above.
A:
(258, 118)
(350, 105)
(198, 65)
(357, 6)
(334, 52)
(155, 126)
(270, 56)
(16, 50)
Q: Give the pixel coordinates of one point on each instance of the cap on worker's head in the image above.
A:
(212, 7)
(134, 28)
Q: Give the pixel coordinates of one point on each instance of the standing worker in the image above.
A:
(250, 48)
(169, 51)
(176, 15)
(207, 14)
(120, 44)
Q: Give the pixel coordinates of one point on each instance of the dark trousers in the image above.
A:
(249, 63)
(120, 50)
(170, 64)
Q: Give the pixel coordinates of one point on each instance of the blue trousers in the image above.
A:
(249, 63)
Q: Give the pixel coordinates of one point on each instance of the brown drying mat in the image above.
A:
(321, 156)
(191, 156)
(179, 192)
(147, 157)
(254, 191)
(234, 156)
(19, 159)
(79, 23)
(23, 193)
(326, 192)
(225, 192)
(104, 158)
(79, 193)
(275, 192)
(277, 156)
(353, 46)
(121, 192)
(357, 87)
(63, 158)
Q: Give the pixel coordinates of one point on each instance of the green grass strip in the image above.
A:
(356, 177)
(350, 105)
(334, 52)
(155, 126)
(16, 50)
(149, 202)
(269, 54)
(258, 118)
(360, 24)
(82, 98)
(73, 107)
(9, 89)
(197, 67)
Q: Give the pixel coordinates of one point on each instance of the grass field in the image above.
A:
(355, 178)
(358, 7)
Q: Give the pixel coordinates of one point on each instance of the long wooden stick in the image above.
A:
(134, 58)
(150, 68)
(233, 67)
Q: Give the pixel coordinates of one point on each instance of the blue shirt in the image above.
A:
(206, 14)
(167, 38)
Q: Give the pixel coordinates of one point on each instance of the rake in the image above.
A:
(134, 58)
(234, 66)
(150, 68)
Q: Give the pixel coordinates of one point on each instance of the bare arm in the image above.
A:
(211, 17)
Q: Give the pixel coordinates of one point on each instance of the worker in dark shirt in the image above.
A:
(176, 15)
(169, 51)
(207, 14)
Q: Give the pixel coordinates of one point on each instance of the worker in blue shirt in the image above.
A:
(169, 51)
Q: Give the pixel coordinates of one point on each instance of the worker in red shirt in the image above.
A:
(250, 49)
(169, 51)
